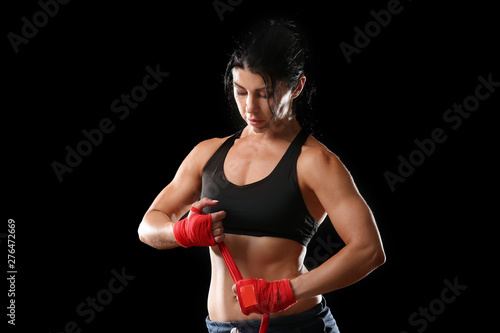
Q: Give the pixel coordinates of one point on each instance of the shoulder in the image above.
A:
(209, 145)
(314, 153)
(202, 152)
(318, 165)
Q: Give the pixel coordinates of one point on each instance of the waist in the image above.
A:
(319, 310)
(266, 258)
(224, 310)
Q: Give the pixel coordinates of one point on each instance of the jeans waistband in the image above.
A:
(318, 310)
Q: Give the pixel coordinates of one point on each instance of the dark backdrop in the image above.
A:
(79, 263)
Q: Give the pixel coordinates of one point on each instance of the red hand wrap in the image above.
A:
(262, 297)
(195, 230)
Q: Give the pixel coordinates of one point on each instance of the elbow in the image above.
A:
(380, 258)
(145, 235)
(377, 257)
(152, 237)
(372, 255)
(142, 234)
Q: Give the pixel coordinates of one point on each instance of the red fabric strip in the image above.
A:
(231, 265)
(236, 275)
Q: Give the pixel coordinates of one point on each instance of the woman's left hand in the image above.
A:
(260, 296)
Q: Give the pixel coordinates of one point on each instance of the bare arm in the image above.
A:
(352, 219)
(156, 228)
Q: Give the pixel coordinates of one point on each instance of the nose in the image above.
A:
(252, 104)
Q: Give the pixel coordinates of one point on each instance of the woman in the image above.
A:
(266, 190)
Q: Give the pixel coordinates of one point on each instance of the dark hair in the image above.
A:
(276, 51)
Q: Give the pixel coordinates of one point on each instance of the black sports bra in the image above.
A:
(272, 206)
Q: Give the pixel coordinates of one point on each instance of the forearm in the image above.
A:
(156, 230)
(348, 266)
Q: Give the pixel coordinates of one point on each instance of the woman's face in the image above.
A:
(250, 97)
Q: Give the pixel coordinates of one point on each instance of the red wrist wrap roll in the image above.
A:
(195, 230)
(260, 296)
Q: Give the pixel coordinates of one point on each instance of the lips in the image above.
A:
(255, 122)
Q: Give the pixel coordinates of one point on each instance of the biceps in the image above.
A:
(174, 201)
(176, 198)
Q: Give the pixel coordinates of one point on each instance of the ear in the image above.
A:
(299, 87)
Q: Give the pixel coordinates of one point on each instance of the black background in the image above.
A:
(439, 224)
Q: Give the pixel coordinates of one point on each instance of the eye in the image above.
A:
(262, 94)
(239, 91)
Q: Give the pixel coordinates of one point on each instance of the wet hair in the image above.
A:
(276, 51)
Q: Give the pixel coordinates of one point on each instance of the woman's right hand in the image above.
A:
(217, 217)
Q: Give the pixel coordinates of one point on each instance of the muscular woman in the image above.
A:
(266, 189)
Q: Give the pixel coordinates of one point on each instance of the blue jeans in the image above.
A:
(316, 320)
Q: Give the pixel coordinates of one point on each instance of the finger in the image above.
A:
(218, 231)
(220, 238)
(218, 216)
(200, 204)
(216, 225)
(233, 288)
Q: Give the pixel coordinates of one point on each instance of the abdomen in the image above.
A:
(266, 258)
